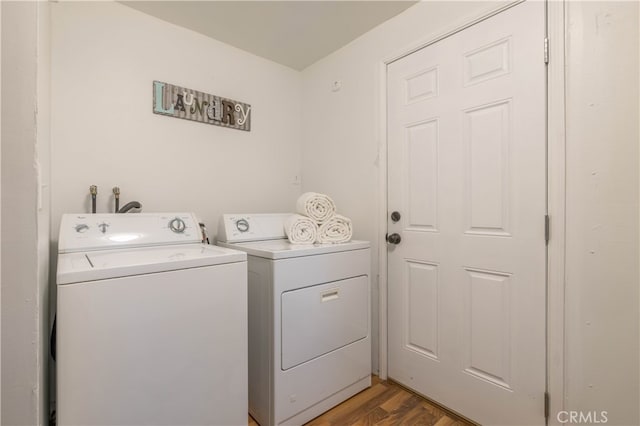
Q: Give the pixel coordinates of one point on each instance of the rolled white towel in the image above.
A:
(300, 229)
(319, 207)
(336, 230)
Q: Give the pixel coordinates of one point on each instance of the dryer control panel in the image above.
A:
(236, 228)
(83, 232)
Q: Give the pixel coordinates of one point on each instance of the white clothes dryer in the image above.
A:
(309, 319)
(151, 323)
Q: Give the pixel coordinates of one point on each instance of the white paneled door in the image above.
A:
(467, 175)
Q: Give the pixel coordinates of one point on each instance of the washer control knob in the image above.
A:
(242, 225)
(177, 225)
(81, 227)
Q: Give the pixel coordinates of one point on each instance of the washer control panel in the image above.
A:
(251, 227)
(80, 232)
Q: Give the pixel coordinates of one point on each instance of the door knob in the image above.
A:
(394, 238)
(395, 216)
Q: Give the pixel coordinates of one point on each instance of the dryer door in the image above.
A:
(319, 319)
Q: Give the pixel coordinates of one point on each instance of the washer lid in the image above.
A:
(100, 265)
(283, 249)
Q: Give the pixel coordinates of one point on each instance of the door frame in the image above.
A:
(556, 194)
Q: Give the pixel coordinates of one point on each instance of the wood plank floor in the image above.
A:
(385, 404)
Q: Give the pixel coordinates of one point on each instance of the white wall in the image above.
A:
(105, 57)
(602, 323)
(341, 129)
(0, 219)
(43, 199)
(24, 247)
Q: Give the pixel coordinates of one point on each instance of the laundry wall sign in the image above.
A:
(180, 102)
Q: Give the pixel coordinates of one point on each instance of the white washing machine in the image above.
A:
(309, 319)
(151, 323)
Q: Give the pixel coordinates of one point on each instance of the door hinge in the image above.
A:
(546, 405)
(546, 50)
(547, 228)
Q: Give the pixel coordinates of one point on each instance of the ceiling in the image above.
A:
(292, 33)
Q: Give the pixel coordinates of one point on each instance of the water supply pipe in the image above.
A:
(93, 190)
(116, 195)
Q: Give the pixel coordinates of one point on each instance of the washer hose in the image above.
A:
(52, 340)
(130, 205)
